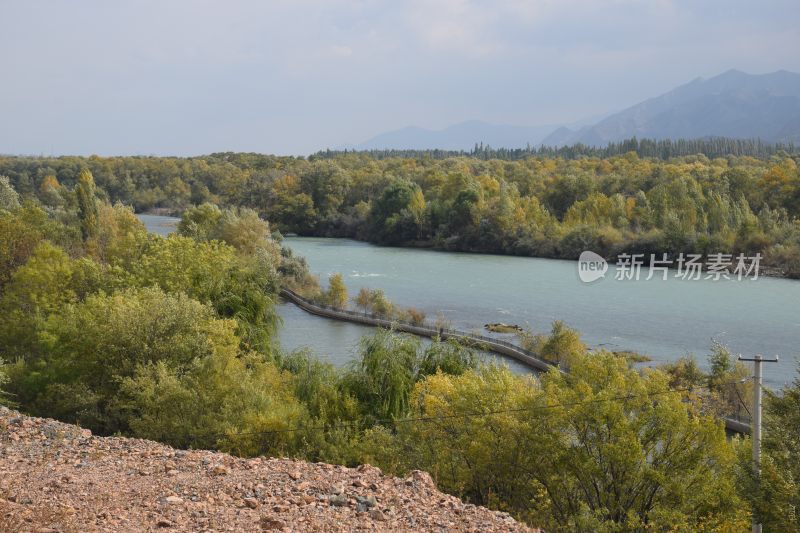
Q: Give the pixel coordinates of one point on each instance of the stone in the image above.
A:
(269, 523)
(219, 470)
(106, 493)
(377, 515)
(252, 503)
(171, 500)
(339, 500)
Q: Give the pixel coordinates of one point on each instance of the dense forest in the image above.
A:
(544, 204)
(173, 339)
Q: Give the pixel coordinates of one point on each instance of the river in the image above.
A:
(662, 319)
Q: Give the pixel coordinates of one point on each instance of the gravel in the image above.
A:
(58, 477)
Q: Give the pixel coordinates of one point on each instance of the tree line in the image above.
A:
(659, 148)
(544, 205)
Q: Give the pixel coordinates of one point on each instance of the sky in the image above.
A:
(191, 77)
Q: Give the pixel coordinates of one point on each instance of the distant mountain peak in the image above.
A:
(461, 136)
(732, 104)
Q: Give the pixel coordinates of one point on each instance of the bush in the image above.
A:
(89, 348)
(563, 346)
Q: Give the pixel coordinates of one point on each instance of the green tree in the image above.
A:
(382, 378)
(9, 199)
(200, 222)
(474, 457)
(380, 304)
(776, 493)
(618, 451)
(20, 232)
(87, 206)
(396, 216)
(239, 404)
(389, 365)
(563, 346)
(88, 348)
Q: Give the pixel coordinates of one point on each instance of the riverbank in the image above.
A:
(443, 245)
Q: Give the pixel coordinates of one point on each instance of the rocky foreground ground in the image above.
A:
(58, 477)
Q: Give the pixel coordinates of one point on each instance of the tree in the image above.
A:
(51, 191)
(42, 285)
(603, 448)
(336, 295)
(20, 232)
(617, 451)
(121, 237)
(474, 457)
(87, 206)
(382, 378)
(563, 346)
(776, 493)
(227, 401)
(237, 285)
(246, 231)
(396, 216)
(380, 304)
(9, 199)
(200, 222)
(362, 298)
(89, 348)
(181, 264)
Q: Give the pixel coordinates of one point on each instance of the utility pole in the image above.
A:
(756, 423)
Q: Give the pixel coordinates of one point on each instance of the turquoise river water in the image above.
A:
(664, 319)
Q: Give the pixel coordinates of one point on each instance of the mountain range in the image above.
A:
(733, 104)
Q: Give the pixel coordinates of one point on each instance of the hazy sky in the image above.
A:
(188, 77)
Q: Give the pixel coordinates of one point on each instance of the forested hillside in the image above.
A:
(542, 205)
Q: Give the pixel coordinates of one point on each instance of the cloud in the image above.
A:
(340, 51)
